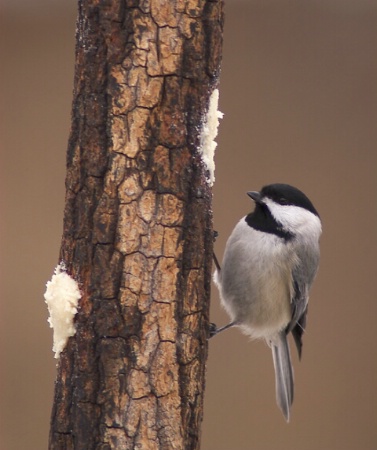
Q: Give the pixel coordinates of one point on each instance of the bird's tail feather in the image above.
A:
(283, 374)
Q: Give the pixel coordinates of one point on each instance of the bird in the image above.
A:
(269, 264)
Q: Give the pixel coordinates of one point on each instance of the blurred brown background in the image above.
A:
(299, 93)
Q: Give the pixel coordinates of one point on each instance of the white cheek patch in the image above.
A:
(295, 219)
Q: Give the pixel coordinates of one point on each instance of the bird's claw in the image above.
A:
(212, 330)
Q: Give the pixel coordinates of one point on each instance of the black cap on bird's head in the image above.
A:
(283, 194)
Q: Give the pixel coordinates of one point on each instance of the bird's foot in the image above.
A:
(212, 330)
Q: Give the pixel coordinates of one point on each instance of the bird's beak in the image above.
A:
(255, 196)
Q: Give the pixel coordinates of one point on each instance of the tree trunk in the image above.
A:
(137, 226)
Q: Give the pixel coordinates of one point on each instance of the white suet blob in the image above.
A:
(209, 132)
(62, 296)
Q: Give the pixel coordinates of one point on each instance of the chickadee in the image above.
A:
(269, 264)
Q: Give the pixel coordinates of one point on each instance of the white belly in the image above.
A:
(255, 282)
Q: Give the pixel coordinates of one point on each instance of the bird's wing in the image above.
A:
(303, 276)
(299, 306)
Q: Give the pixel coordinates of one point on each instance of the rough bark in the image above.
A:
(138, 226)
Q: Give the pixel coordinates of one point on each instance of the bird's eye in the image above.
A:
(283, 201)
